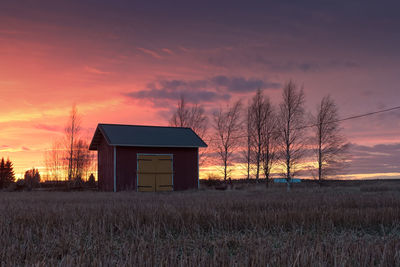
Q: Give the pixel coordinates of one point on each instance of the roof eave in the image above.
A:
(135, 145)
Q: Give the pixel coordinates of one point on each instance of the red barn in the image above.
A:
(146, 158)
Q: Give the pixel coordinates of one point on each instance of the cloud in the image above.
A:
(228, 59)
(380, 158)
(207, 90)
(95, 70)
(4, 147)
(240, 84)
(169, 51)
(165, 94)
(150, 52)
(46, 127)
(7, 148)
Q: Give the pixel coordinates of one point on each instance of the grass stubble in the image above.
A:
(332, 226)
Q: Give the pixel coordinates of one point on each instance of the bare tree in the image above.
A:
(72, 131)
(82, 160)
(193, 117)
(291, 130)
(269, 139)
(246, 154)
(330, 145)
(259, 110)
(227, 125)
(69, 157)
(54, 161)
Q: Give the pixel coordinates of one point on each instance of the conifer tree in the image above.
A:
(7, 175)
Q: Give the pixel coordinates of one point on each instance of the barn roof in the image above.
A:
(146, 136)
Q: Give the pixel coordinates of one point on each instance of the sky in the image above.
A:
(128, 62)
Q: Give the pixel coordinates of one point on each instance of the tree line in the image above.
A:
(270, 136)
(7, 176)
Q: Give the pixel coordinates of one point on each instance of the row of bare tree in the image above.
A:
(69, 157)
(269, 136)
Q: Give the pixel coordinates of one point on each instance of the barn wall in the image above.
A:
(126, 169)
(185, 166)
(105, 161)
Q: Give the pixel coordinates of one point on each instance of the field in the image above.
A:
(356, 225)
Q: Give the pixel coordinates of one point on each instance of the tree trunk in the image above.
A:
(320, 155)
(258, 166)
(225, 172)
(266, 180)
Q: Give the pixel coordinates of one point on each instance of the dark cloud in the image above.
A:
(26, 148)
(227, 59)
(215, 88)
(380, 158)
(240, 84)
(166, 94)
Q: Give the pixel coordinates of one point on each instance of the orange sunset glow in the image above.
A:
(130, 64)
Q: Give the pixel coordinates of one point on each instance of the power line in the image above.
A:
(334, 121)
(369, 114)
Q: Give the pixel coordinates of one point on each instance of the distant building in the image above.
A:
(146, 158)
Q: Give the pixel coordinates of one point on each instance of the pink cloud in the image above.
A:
(95, 70)
(169, 51)
(150, 52)
(51, 128)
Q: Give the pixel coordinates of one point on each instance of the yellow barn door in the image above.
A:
(164, 173)
(146, 175)
(155, 173)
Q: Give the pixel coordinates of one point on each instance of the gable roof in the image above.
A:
(145, 136)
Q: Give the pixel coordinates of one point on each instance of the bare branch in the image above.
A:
(291, 134)
(330, 145)
(227, 125)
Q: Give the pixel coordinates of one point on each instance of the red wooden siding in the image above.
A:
(185, 166)
(105, 161)
(126, 169)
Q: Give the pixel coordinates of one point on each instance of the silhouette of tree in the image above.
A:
(70, 157)
(82, 159)
(246, 154)
(72, 131)
(262, 124)
(269, 140)
(228, 126)
(330, 145)
(7, 175)
(291, 133)
(32, 178)
(54, 160)
(193, 117)
(91, 181)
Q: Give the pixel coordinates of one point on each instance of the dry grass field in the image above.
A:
(328, 226)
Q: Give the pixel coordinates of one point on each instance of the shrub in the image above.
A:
(91, 181)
